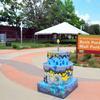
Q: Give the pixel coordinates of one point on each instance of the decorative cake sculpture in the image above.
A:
(58, 78)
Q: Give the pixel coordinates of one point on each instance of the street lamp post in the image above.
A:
(21, 35)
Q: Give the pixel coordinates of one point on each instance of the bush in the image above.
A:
(15, 46)
(82, 59)
(73, 57)
(85, 57)
(92, 62)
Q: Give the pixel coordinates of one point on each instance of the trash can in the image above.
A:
(8, 43)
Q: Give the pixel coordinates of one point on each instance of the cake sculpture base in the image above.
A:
(61, 90)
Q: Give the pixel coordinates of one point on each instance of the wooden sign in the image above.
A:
(88, 44)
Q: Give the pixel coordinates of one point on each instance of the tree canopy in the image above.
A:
(92, 29)
(11, 12)
(40, 13)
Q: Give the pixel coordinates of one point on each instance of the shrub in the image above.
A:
(82, 59)
(85, 57)
(14, 46)
(73, 57)
(93, 63)
(88, 56)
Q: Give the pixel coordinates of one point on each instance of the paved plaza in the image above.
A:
(21, 70)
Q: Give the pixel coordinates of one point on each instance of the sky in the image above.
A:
(89, 10)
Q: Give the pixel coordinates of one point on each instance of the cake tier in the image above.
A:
(58, 59)
(57, 76)
(57, 69)
(55, 53)
(61, 90)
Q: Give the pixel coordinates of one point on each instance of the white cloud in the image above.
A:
(85, 17)
(95, 22)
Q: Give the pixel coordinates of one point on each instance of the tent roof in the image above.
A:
(63, 28)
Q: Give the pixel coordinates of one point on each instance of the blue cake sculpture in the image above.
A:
(58, 78)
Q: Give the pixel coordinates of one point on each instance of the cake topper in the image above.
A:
(58, 41)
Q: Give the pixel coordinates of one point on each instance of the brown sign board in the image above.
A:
(88, 43)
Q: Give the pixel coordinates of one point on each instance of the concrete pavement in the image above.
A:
(13, 91)
(27, 64)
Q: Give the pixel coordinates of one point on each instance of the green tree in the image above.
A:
(40, 13)
(33, 12)
(11, 12)
(70, 15)
(94, 29)
(86, 28)
(58, 11)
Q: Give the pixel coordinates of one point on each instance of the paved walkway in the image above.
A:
(23, 69)
(9, 54)
(12, 91)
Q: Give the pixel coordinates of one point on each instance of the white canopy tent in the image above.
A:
(63, 28)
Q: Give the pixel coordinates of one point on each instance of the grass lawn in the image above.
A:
(36, 44)
(3, 46)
